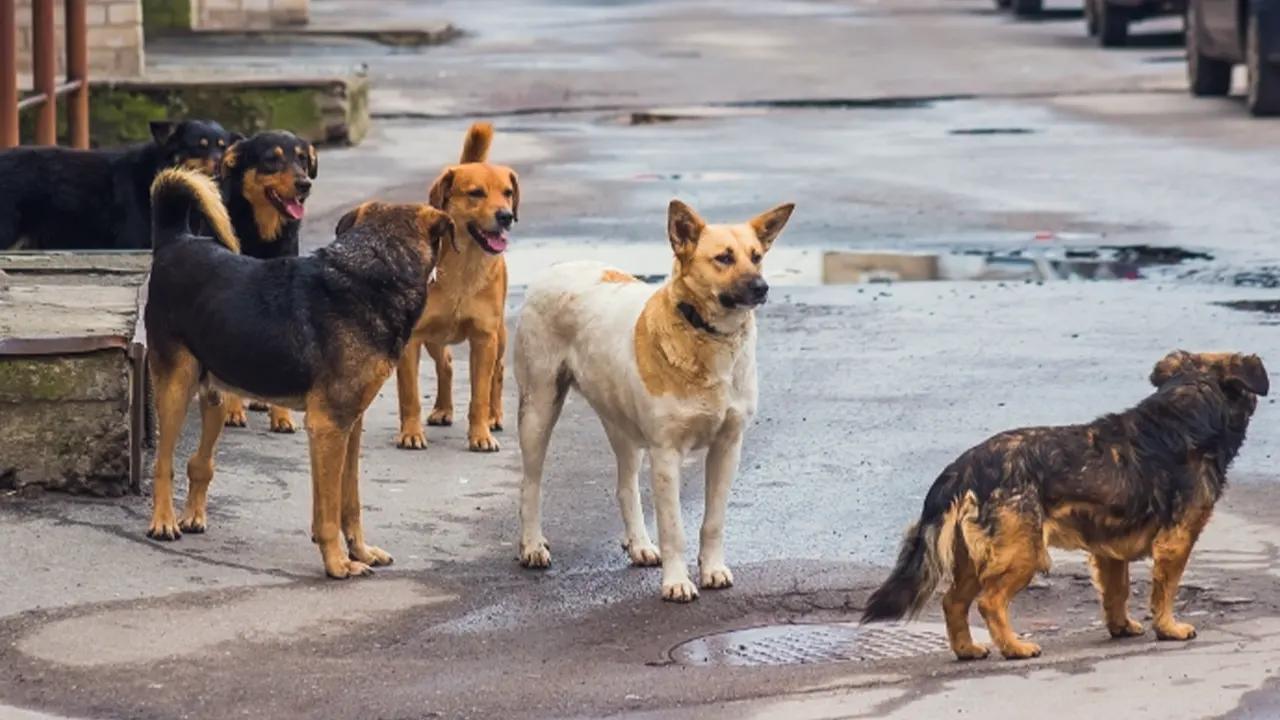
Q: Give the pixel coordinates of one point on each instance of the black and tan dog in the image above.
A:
(1141, 483)
(55, 198)
(319, 334)
(266, 180)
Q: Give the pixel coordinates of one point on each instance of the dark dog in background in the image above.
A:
(54, 198)
(266, 180)
(320, 334)
(1141, 483)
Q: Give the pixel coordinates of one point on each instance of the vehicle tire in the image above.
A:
(1027, 8)
(1207, 76)
(1263, 97)
(1091, 17)
(1113, 24)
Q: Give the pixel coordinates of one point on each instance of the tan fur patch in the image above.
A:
(617, 276)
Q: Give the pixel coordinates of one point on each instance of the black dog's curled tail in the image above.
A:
(176, 194)
(926, 557)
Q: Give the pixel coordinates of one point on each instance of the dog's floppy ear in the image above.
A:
(1170, 365)
(1247, 372)
(437, 225)
(162, 130)
(231, 157)
(313, 162)
(769, 224)
(350, 219)
(684, 227)
(438, 195)
(515, 196)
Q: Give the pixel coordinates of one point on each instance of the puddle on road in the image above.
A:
(1268, 308)
(792, 265)
(811, 644)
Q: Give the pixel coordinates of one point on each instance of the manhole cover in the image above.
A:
(808, 644)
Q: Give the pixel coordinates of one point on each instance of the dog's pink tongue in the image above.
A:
(294, 209)
(497, 241)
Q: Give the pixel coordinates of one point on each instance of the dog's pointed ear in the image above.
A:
(313, 162)
(515, 196)
(438, 195)
(231, 157)
(350, 219)
(1170, 365)
(162, 130)
(684, 227)
(234, 138)
(768, 225)
(437, 224)
(1248, 373)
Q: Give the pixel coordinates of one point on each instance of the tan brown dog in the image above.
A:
(468, 299)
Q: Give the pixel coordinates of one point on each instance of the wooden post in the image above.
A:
(44, 61)
(77, 72)
(8, 75)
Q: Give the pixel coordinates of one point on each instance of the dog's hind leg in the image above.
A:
(200, 466)
(956, 603)
(1013, 558)
(329, 449)
(281, 419)
(1111, 577)
(412, 436)
(722, 466)
(233, 409)
(541, 399)
(352, 526)
(1170, 551)
(495, 389)
(636, 542)
(484, 358)
(442, 407)
(174, 379)
(676, 585)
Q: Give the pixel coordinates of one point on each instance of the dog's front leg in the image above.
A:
(676, 585)
(412, 436)
(722, 466)
(1170, 551)
(352, 526)
(484, 354)
(329, 446)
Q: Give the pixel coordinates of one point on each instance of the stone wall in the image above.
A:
(248, 14)
(115, 38)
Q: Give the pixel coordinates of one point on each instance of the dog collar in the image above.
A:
(690, 313)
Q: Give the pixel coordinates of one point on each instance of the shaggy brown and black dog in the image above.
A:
(1141, 483)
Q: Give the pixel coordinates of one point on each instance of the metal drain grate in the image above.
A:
(808, 644)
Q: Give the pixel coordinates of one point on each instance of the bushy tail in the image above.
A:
(178, 193)
(926, 557)
(476, 147)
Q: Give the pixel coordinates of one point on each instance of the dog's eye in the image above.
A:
(222, 143)
(478, 193)
(755, 258)
(508, 193)
(204, 142)
(725, 258)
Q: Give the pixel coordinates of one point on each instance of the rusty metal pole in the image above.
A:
(78, 72)
(44, 63)
(8, 75)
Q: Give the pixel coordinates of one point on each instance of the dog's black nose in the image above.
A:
(302, 185)
(757, 289)
(504, 218)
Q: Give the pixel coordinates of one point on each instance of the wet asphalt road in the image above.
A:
(866, 391)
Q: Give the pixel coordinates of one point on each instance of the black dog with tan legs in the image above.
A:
(319, 334)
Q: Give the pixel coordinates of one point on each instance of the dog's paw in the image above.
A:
(972, 651)
(496, 425)
(1131, 628)
(258, 406)
(193, 521)
(411, 437)
(370, 555)
(680, 591)
(440, 417)
(1179, 631)
(535, 555)
(282, 423)
(715, 577)
(1019, 650)
(643, 554)
(164, 527)
(482, 442)
(344, 569)
(236, 418)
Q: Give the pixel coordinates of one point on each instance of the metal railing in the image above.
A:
(44, 62)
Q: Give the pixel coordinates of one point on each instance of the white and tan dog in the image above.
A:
(670, 372)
